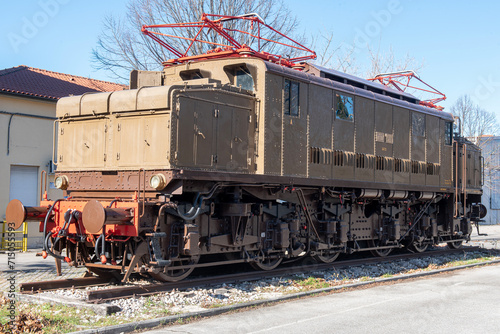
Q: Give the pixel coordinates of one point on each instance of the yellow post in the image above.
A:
(21, 245)
(3, 236)
(25, 237)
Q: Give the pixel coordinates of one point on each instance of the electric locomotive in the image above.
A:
(254, 158)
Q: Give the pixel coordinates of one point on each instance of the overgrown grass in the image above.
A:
(65, 319)
(312, 283)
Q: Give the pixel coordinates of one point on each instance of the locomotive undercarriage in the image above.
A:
(263, 226)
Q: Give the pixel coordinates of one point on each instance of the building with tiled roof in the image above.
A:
(28, 98)
(38, 83)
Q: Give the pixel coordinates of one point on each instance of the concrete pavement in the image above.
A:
(28, 267)
(460, 302)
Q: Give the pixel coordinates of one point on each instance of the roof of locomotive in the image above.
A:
(357, 82)
(352, 85)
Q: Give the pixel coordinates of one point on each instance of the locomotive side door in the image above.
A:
(82, 143)
(447, 155)
(294, 129)
(214, 135)
(195, 145)
(233, 125)
(224, 132)
(194, 132)
(204, 129)
(239, 139)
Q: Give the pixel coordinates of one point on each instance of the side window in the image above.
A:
(418, 125)
(344, 107)
(448, 133)
(244, 79)
(291, 98)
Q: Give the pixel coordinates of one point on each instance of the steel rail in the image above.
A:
(34, 287)
(104, 295)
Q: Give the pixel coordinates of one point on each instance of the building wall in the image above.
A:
(491, 189)
(30, 144)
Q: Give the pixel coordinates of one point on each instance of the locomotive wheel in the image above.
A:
(455, 244)
(379, 252)
(418, 247)
(265, 263)
(174, 275)
(326, 257)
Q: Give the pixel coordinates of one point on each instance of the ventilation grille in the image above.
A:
(325, 156)
(401, 165)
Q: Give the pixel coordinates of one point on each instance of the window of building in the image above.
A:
(291, 98)
(345, 107)
(418, 125)
(448, 133)
(244, 79)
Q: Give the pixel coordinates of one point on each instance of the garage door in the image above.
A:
(24, 184)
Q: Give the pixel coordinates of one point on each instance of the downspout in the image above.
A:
(12, 114)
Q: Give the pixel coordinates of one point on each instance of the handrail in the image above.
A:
(455, 143)
(143, 191)
(54, 142)
(43, 183)
(464, 176)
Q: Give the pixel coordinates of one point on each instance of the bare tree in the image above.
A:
(122, 47)
(385, 62)
(333, 55)
(342, 57)
(476, 121)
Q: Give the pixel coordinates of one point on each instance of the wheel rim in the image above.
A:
(419, 247)
(455, 244)
(379, 252)
(266, 263)
(326, 257)
(174, 275)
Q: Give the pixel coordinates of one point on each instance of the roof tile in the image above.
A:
(35, 82)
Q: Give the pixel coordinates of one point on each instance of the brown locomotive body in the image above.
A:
(254, 160)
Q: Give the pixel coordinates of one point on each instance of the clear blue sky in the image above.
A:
(458, 41)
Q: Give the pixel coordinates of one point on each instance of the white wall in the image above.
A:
(30, 145)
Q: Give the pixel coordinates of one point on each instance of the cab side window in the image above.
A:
(448, 133)
(291, 98)
(418, 125)
(344, 107)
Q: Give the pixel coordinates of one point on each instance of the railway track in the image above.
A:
(107, 294)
